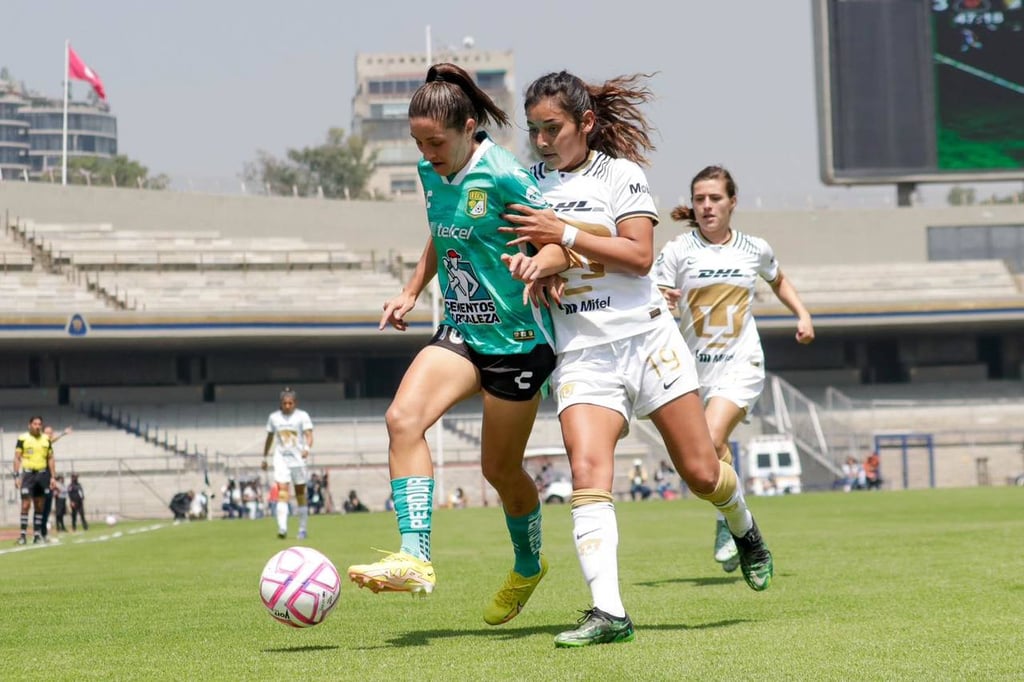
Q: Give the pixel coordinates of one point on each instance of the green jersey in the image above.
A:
(481, 299)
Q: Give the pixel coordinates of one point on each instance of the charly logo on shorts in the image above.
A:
(566, 390)
(476, 203)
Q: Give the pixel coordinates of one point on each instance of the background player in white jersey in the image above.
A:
(619, 350)
(489, 343)
(290, 434)
(708, 274)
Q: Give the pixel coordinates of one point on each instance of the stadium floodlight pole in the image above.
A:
(64, 135)
(429, 49)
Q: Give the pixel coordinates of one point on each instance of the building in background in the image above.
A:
(31, 130)
(384, 85)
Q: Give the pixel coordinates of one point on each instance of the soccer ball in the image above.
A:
(111, 520)
(299, 586)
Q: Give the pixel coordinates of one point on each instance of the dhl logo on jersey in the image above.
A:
(720, 272)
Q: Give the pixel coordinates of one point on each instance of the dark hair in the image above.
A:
(288, 393)
(682, 212)
(620, 130)
(450, 96)
(33, 418)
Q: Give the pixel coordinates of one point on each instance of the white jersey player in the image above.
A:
(290, 435)
(709, 275)
(620, 353)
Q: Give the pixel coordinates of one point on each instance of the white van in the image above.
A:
(771, 465)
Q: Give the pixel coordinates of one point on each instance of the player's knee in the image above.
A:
(701, 478)
(402, 423)
(282, 495)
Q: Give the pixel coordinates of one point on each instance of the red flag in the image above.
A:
(79, 71)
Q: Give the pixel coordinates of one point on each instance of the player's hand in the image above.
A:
(305, 454)
(546, 290)
(263, 465)
(521, 266)
(672, 297)
(533, 225)
(395, 311)
(804, 331)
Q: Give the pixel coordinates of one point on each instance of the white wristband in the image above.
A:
(569, 236)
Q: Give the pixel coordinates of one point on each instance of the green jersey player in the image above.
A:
(489, 342)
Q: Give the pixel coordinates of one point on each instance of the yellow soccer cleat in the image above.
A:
(513, 595)
(398, 572)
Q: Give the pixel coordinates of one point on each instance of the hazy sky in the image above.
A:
(199, 87)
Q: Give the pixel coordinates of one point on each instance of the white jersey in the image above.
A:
(599, 306)
(289, 432)
(717, 284)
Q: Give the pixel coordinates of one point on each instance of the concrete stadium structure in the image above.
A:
(130, 312)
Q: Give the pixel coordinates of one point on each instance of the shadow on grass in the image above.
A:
(426, 637)
(300, 649)
(699, 582)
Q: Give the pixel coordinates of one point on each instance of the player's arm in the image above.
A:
(396, 309)
(787, 294)
(51, 464)
(17, 460)
(266, 448)
(308, 434)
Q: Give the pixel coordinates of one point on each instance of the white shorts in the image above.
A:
(740, 382)
(290, 468)
(633, 376)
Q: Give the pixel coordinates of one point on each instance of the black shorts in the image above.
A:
(510, 377)
(35, 483)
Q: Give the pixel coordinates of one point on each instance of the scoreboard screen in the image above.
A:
(920, 90)
(979, 83)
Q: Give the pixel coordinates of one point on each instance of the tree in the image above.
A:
(340, 168)
(119, 171)
(960, 196)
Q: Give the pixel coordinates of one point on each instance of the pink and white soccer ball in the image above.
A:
(299, 586)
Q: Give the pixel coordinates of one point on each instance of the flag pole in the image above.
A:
(64, 136)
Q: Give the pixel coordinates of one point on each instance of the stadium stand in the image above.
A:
(912, 282)
(114, 251)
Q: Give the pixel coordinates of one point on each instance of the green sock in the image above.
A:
(414, 503)
(526, 541)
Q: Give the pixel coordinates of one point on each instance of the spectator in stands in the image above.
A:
(76, 496)
(60, 504)
(457, 500)
(852, 474)
(315, 494)
(620, 354)
(663, 480)
(638, 487)
(354, 504)
(49, 498)
(180, 505)
(290, 434)
(199, 507)
(231, 500)
(708, 276)
(251, 497)
(873, 472)
(488, 343)
(34, 475)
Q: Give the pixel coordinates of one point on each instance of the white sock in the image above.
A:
(303, 517)
(282, 517)
(737, 514)
(596, 534)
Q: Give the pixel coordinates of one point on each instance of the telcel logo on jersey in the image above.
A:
(722, 272)
(451, 231)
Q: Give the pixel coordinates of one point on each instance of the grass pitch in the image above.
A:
(868, 586)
